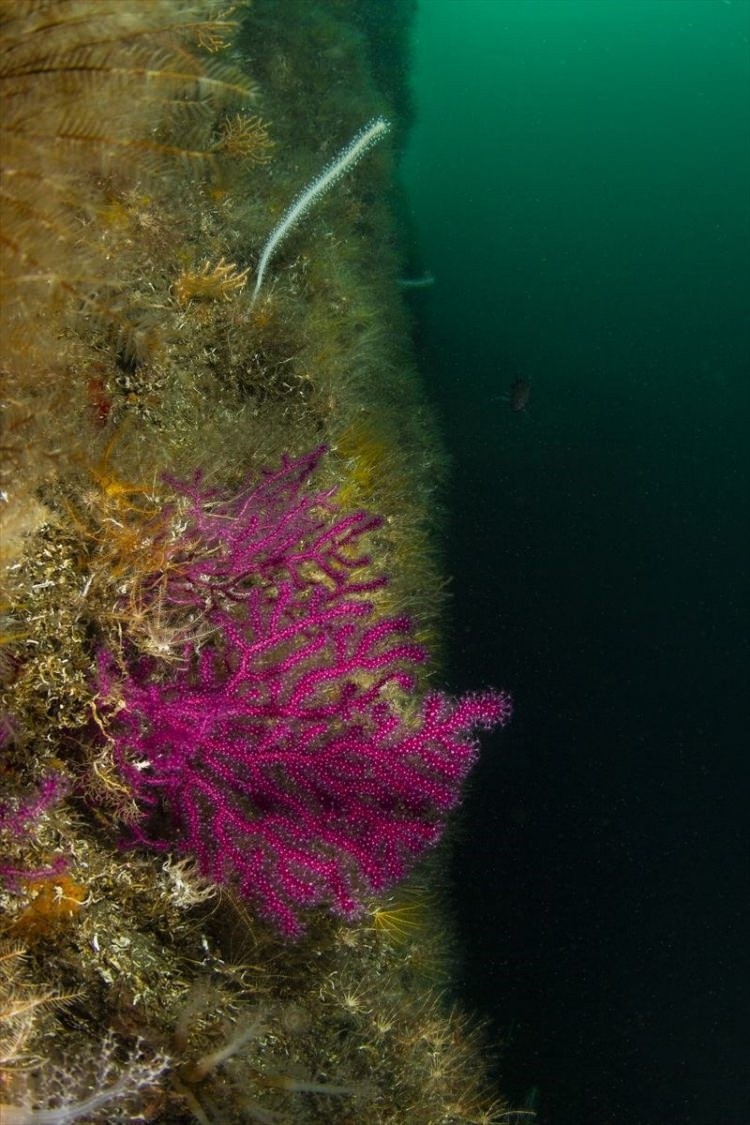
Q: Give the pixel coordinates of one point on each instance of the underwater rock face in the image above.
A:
(217, 669)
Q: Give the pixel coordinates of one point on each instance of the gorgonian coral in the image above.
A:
(287, 752)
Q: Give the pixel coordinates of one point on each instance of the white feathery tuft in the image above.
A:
(346, 159)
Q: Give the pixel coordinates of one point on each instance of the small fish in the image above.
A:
(518, 396)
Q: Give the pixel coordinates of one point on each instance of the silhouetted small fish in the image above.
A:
(518, 397)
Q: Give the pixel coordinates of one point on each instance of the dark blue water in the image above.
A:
(579, 176)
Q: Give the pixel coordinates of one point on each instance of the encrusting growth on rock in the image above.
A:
(224, 746)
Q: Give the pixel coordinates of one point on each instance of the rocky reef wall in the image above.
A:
(158, 416)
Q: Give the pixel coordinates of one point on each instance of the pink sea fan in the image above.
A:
(18, 818)
(288, 754)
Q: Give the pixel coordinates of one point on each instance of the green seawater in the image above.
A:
(578, 179)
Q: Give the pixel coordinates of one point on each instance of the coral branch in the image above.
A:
(18, 818)
(283, 756)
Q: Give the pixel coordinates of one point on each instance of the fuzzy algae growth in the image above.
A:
(148, 150)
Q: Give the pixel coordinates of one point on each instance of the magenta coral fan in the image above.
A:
(287, 754)
(17, 820)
